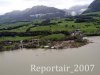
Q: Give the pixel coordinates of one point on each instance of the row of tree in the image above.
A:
(35, 33)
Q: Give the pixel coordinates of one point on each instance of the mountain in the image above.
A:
(36, 12)
(94, 7)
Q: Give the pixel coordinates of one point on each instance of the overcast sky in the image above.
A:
(10, 5)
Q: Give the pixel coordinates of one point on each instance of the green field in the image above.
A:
(87, 28)
(6, 26)
(54, 26)
(54, 37)
(58, 29)
(17, 38)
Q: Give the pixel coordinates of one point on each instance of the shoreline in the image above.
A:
(10, 46)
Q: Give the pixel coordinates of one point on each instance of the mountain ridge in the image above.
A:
(94, 7)
(40, 12)
(36, 12)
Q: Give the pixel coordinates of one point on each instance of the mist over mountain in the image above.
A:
(94, 7)
(36, 12)
(76, 10)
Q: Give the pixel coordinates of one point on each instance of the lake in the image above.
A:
(18, 62)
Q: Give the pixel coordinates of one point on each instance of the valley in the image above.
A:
(51, 29)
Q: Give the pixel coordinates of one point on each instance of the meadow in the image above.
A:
(52, 28)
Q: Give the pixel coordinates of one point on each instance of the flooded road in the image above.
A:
(19, 62)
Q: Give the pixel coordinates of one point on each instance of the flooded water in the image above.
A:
(19, 62)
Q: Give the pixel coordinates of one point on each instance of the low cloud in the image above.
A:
(9, 5)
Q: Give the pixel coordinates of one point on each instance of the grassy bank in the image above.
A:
(50, 32)
(55, 41)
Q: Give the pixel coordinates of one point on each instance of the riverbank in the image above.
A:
(43, 44)
(54, 41)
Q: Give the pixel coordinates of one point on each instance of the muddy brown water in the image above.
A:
(18, 62)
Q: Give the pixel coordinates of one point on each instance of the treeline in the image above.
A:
(10, 28)
(45, 23)
(35, 33)
(83, 18)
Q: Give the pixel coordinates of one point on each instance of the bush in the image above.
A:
(54, 37)
(1, 48)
